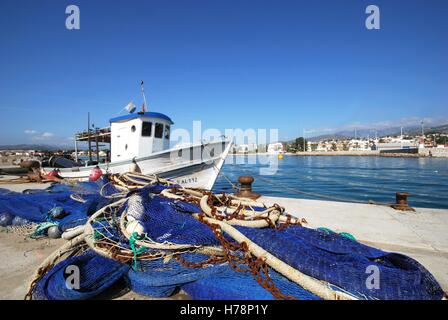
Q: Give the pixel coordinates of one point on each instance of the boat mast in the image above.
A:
(144, 98)
(88, 136)
(76, 149)
(95, 131)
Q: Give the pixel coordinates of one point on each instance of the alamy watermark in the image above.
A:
(73, 279)
(73, 21)
(211, 144)
(373, 280)
(373, 20)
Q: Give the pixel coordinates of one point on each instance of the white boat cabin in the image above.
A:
(139, 135)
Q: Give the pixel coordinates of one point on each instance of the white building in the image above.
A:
(242, 148)
(275, 148)
(397, 144)
(358, 145)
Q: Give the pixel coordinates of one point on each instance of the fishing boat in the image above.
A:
(140, 142)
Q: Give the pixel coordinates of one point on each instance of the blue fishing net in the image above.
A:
(36, 205)
(168, 220)
(4, 191)
(231, 285)
(338, 260)
(346, 263)
(96, 274)
(160, 279)
(172, 221)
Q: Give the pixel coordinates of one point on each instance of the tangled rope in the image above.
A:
(222, 219)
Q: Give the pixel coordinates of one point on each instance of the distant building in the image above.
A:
(358, 145)
(404, 144)
(275, 148)
(245, 148)
(262, 148)
(242, 148)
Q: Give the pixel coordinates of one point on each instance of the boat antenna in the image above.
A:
(144, 106)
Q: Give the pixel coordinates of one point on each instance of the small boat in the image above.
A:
(140, 142)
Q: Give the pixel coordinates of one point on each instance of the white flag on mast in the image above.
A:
(130, 107)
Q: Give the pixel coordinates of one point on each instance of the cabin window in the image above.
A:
(146, 129)
(167, 132)
(133, 128)
(159, 130)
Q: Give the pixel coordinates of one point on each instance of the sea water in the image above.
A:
(345, 178)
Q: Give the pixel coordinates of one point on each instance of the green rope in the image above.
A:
(135, 251)
(343, 234)
(97, 235)
(41, 229)
(348, 235)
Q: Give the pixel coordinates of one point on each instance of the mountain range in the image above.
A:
(40, 147)
(392, 131)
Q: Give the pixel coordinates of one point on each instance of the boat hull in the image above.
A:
(195, 166)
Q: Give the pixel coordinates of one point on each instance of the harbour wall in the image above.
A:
(427, 152)
(434, 152)
(339, 153)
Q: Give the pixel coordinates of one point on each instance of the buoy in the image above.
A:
(54, 173)
(280, 156)
(135, 226)
(6, 219)
(54, 232)
(19, 221)
(95, 174)
(136, 209)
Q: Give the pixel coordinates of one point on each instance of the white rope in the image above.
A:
(320, 288)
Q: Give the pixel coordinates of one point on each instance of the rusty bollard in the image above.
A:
(246, 188)
(401, 202)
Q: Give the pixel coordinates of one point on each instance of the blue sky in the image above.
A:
(230, 63)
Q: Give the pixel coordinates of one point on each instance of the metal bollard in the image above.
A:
(401, 202)
(246, 188)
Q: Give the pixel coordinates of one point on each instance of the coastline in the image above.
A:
(351, 154)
